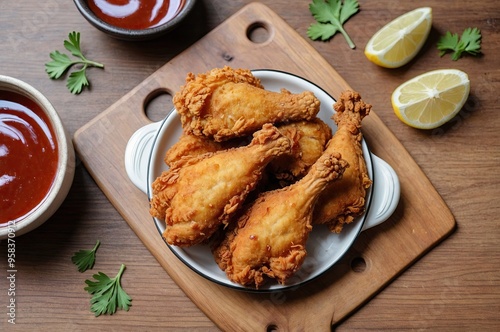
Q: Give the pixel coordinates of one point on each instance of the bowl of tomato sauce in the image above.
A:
(135, 19)
(37, 159)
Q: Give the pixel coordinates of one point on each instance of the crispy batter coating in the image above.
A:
(203, 194)
(189, 146)
(309, 139)
(344, 200)
(270, 237)
(225, 103)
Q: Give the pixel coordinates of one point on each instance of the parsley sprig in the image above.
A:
(469, 42)
(107, 293)
(331, 16)
(85, 259)
(61, 62)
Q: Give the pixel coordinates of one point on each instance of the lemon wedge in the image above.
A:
(431, 99)
(395, 44)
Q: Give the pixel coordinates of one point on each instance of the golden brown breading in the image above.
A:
(189, 146)
(225, 103)
(344, 200)
(270, 237)
(309, 139)
(195, 199)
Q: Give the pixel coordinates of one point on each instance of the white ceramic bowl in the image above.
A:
(144, 163)
(65, 168)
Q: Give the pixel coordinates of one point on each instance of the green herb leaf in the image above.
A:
(330, 16)
(469, 42)
(85, 259)
(472, 40)
(61, 63)
(73, 44)
(321, 31)
(108, 294)
(77, 80)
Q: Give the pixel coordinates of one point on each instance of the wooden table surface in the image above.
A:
(455, 286)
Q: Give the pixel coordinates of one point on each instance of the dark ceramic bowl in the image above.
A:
(130, 34)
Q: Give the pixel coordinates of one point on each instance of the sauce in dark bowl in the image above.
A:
(28, 156)
(136, 14)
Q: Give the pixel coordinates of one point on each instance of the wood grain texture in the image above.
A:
(415, 228)
(453, 287)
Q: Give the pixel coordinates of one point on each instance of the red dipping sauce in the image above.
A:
(28, 156)
(136, 14)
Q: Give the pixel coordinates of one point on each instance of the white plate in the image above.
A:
(323, 247)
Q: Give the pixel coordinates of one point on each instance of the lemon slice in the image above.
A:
(431, 99)
(395, 44)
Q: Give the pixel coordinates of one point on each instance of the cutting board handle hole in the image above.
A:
(259, 32)
(272, 328)
(358, 264)
(157, 105)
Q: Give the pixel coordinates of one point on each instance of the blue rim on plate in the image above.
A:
(321, 245)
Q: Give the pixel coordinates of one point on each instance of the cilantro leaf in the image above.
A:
(330, 16)
(447, 42)
(61, 63)
(73, 44)
(472, 40)
(85, 259)
(77, 80)
(321, 31)
(469, 42)
(348, 9)
(107, 293)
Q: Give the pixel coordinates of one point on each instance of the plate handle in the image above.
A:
(137, 154)
(385, 194)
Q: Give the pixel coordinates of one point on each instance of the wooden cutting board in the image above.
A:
(421, 220)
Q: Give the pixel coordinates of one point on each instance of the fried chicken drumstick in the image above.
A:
(344, 200)
(189, 146)
(309, 139)
(195, 199)
(269, 239)
(225, 103)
